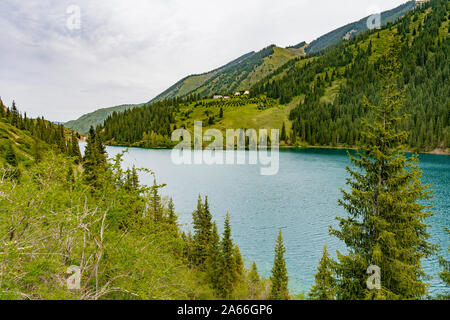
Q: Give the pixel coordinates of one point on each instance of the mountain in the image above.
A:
(27, 138)
(238, 75)
(320, 99)
(97, 117)
(243, 72)
(356, 28)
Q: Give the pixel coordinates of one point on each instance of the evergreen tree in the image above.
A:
(10, 156)
(91, 160)
(279, 278)
(254, 281)
(213, 260)
(283, 132)
(238, 262)
(228, 277)
(171, 215)
(385, 225)
(75, 148)
(36, 151)
(202, 224)
(155, 203)
(324, 288)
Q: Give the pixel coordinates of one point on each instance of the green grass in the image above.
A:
(243, 117)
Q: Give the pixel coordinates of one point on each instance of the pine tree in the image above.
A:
(171, 215)
(238, 262)
(221, 113)
(202, 224)
(213, 260)
(10, 156)
(155, 203)
(228, 277)
(385, 225)
(36, 151)
(75, 149)
(91, 159)
(324, 288)
(279, 278)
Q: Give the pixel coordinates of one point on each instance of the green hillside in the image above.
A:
(95, 118)
(24, 140)
(243, 72)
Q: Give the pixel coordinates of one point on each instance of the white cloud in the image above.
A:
(128, 51)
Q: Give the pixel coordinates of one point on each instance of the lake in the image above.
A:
(301, 200)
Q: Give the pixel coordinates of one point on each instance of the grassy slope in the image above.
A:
(250, 117)
(95, 118)
(244, 117)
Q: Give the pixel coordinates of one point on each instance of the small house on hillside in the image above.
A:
(247, 92)
(217, 97)
(237, 93)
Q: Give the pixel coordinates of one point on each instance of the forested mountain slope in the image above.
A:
(334, 84)
(237, 75)
(356, 28)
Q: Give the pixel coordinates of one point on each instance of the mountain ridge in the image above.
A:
(242, 73)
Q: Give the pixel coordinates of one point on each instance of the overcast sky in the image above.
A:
(128, 51)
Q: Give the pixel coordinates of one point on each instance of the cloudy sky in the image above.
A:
(128, 51)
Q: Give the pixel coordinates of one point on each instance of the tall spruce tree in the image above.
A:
(283, 132)
(213, 260)
(279, 278)
(155, 203)
(385, 224)
(75, 148)
(202, 224)
(10, 156)
(228, 277)
(92, 158)
(254, 281)
(171, 215)
(324, 288)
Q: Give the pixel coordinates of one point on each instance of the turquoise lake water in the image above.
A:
(301, 200)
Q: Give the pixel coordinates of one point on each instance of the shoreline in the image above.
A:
(438, 152)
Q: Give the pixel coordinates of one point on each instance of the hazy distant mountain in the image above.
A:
(95, 118)
(239, 74)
